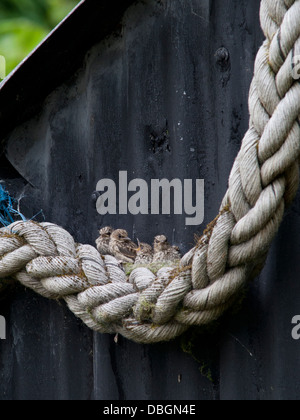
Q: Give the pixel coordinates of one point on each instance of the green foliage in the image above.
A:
(154, 267)
(25, 23)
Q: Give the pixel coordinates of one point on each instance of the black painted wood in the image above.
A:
(178, 67)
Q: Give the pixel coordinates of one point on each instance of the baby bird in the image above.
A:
(144, 254)
(102, 242)
(122, 247)
(163, 251)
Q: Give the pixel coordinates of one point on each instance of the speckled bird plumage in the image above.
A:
(103, 241)
(122, 247)
(144, 254)
(163, 251)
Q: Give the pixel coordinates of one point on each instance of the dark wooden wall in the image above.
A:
(159, 72)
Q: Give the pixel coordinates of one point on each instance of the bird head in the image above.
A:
(120, 235)
(106, 232)
(160, 243)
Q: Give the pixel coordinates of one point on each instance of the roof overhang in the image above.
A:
(58, 56)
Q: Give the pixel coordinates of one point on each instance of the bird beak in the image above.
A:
(139, 248)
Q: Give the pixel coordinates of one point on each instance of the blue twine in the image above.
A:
(7, 211)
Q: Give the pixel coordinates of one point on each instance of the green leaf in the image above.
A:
(18, 37)
(25, 23)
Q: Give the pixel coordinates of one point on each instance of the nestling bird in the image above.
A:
(163, 251)
(144, 253)
(122, 247)
(102, 242)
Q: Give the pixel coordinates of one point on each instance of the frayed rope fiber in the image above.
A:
(7, 211)
(147, 307)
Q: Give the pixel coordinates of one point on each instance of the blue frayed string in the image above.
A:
(7, 210)
(39, 213)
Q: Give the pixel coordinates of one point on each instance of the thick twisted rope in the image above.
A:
(148, 308)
